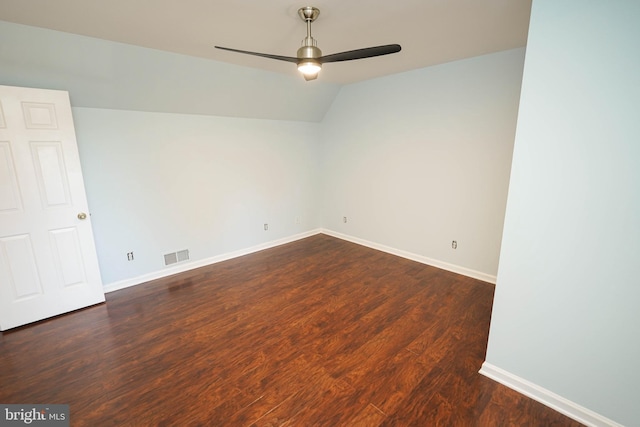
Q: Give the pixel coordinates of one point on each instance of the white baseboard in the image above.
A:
(415, 257)
(226, 256)
(546, 397)
(204, 262)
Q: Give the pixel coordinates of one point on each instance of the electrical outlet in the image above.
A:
(297, 220)
(266, 227)
(454, 244)
(344, 219)
(130, 256)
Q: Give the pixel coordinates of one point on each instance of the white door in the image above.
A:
(48, 263)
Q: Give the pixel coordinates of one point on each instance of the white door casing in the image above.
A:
(48, 262)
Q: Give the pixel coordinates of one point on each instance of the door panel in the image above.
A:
(67, 250)
(20, 272)
(9, 192)
(39, 115)
(48, 263)
(50, 173)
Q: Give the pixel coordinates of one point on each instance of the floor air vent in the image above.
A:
(175, 257)
(183, 255)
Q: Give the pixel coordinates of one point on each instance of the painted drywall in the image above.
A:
(105, 74)
(414, 160)
(160, 183)
(566, 314)
(419, 159)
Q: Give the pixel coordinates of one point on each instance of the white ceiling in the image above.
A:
(429, 31)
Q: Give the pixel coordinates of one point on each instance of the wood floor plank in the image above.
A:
(370, 416)
(318, 332)
(395, 380)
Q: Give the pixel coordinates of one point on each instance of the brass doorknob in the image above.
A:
(82, 215)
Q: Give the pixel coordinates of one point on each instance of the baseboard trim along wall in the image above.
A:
(110, 287)
(166, 272)
(415, 257)
(546, 397)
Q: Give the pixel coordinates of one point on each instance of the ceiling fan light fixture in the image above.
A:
(309, 67)
(309, 58)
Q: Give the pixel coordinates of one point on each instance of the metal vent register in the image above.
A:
(176, 257)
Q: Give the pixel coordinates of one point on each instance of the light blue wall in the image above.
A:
(415, 160)
(178, 152)
(566, 314)
(419, 159)
(159, 183)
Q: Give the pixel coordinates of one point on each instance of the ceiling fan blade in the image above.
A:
(264, 55)
(367, 52)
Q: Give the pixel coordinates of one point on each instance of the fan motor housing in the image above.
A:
(309, 52)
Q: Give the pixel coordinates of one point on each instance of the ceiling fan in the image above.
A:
(309, 57)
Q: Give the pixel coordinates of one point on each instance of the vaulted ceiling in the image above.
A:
(430, 31)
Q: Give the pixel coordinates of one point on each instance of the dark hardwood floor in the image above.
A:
(319, 332)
